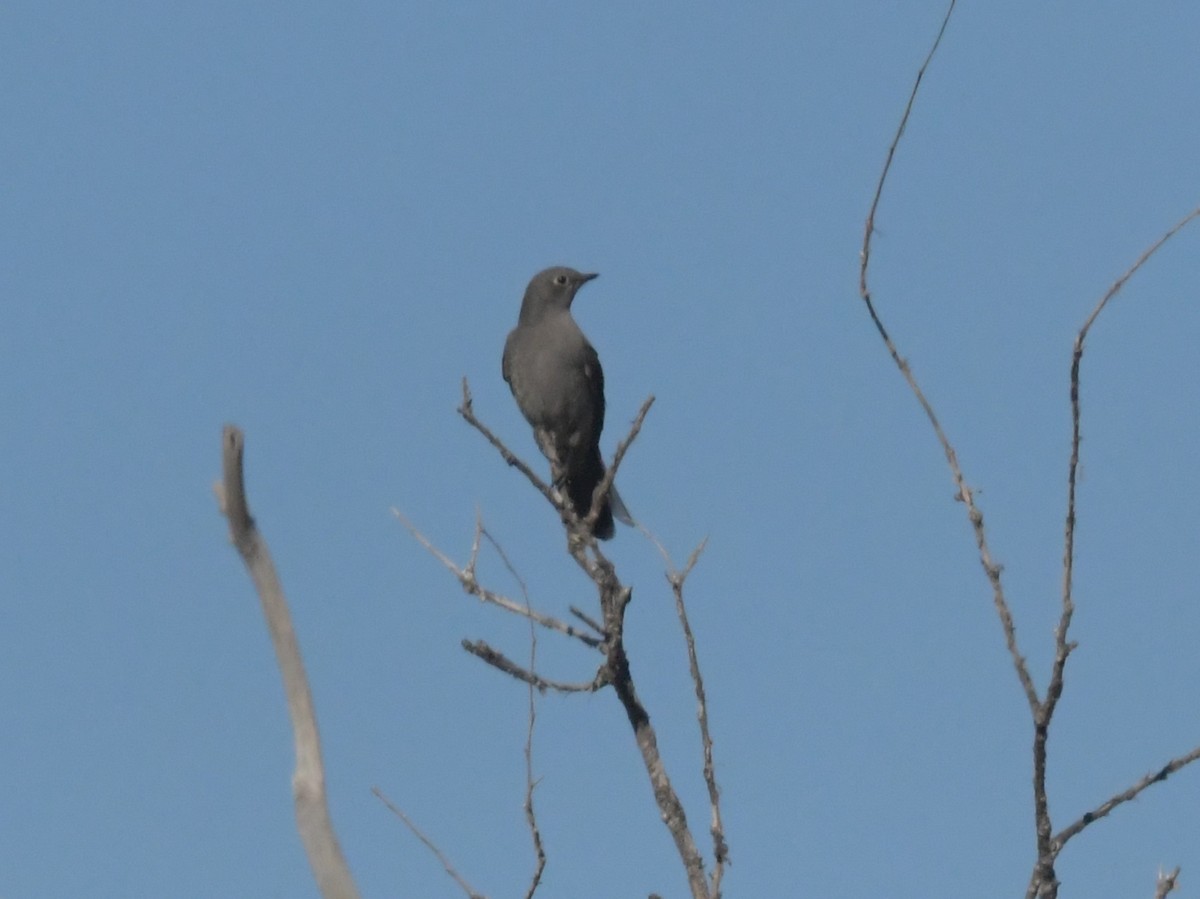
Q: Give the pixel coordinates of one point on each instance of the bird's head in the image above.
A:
(551, 289)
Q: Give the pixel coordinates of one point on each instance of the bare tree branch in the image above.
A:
(676, 579)
(974, 514)
(1166, 883)
(530, 784)
(600, 493)
(429, 844)
(481, 650)
(467, 411)
(1121, 798)
(1043, 881)
(308, 781)
(466, 577)
(539, 851)
(587, 619)
(614, 598)
(1068, 607)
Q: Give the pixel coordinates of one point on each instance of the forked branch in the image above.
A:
(614, 598)
(1043, 882)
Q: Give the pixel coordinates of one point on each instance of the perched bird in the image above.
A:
(556, 379)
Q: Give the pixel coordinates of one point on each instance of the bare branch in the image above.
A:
(498, 660)
(535, 833)
(1043, 881)
(716, 828)
(587, 619)
(887, 167)
(1054, 691)
(530, 784)
(429, 844)
(669, 805)
(466, 577)
(1166, 883)
(974, 514)
(308, 781)
(676, 579)
(602, 489)
(614, 599)
(467, 411)
(1121, 798)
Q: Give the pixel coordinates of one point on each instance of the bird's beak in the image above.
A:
(583, 279)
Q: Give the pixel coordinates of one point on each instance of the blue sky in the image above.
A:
(314, 219)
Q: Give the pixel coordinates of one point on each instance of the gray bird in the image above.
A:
(556, 379)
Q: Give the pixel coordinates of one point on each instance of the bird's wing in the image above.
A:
(504, 367)
(594, 375)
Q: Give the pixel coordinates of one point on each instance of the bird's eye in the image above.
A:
(561, 280)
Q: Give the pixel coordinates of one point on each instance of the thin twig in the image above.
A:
(887, 165)
(429, 844)
(480, 649)
(676, 579)
(1043, 878)
(471, 585)
(587, 619)
(602, 489)
(530, 784)
(1166, 883)
(1068, 607)
(308, 781)
(974, 514)
(1121, 798)
(467, 411)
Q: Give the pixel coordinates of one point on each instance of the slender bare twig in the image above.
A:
(308, 781)
(429, 844)
(602, 489)
(530, 784)
(1166, 883)
(467, 411)
(974, 513)
(587, 619)
(539, 851)
(1043, 879)
(566, 512)
(481, 650)
(1068, 606)
(1121, 798)
(676, 579)
(887, 165)
(466, 577)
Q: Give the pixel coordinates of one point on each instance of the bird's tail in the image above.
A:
(580, 490)
(619, 510)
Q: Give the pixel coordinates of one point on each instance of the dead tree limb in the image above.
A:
(1043, 882)
(614, 598)
(535, 833)
(1166, 883)
(676, 579)
(429, 844)
(308, 782)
